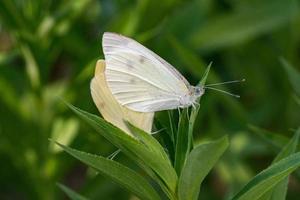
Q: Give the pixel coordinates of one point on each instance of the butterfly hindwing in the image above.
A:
(110, 109)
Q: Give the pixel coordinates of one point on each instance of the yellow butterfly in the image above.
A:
(110, 109)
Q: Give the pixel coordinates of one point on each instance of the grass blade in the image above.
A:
(293, 75)
(70, 193)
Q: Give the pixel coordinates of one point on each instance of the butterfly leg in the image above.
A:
(193, 105)
(158, 131)
(178, 111)
(188, 114)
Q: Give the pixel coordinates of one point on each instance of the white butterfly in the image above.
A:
(141, 80)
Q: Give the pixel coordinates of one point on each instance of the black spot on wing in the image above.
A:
(142, 60)
(132, 81)
(101, 104)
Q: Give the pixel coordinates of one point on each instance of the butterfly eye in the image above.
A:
(198, 90)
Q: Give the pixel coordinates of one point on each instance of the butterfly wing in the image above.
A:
(138, 78)
(111, 110)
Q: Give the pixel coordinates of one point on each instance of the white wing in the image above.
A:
(111, 110)
(140, 79)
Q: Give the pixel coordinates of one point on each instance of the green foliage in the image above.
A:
(120, 174)
(293, 74)
(199, 162)
(280, 190)
(64, 132)
(134, 148)
(272, 182)
(150, 155)
(231, 29)
(182, 142)
(48, 49)
(71, 194)
(268, 178)
(274, 139)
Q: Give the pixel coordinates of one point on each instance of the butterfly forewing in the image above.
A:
(140, 79)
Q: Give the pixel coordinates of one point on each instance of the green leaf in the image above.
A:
(152, 144)
(132, 147)
(154, 147)
(199, 163)
(293, 75)
(268, 178)
(182, 141)
(193, 117)
(63, 131)
(32, 67)
(164, 121)
(289, 148)
(280, 190)
(274, 139)
(245, 24)
(204, 77)
(121, 174)
(172, 126)
(70, 193)
(297, 99)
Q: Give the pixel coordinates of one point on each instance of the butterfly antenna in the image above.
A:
(212, 88)
(227, 82)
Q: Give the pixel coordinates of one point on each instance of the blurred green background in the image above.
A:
(48, 51)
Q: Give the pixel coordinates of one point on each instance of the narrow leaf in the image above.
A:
(268, 178)
(289, 148)
(182, 142)
(204, 78)
(293, 75)
(297, 99)
(193, 117)
(274, 139)
(121, 174)
(199, 163)
(70, 193)
(279, 191)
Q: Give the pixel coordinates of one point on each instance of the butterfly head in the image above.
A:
(197, 91)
